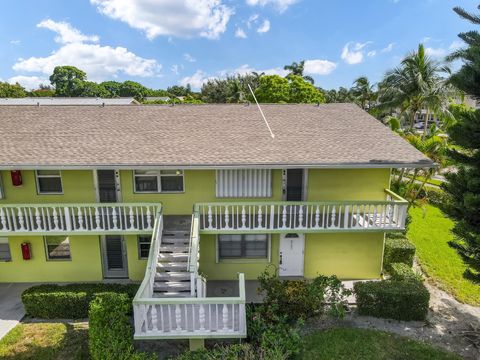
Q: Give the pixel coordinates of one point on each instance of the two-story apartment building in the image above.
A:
(176, 196)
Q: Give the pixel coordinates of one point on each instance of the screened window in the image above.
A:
(144, 246)
(152, 181)
(49, 182)
(243, 246)
(244, 183)
(58, 247)
(5, 250)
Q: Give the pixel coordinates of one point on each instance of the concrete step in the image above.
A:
(171, 286)
(171, 266)
(171, 294)
(175, 241)
(172, 275)
(173, 257)
(172, 248)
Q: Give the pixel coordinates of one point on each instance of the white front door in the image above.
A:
(291, 254)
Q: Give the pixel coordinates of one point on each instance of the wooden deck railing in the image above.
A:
(321, 216)
(95, 218)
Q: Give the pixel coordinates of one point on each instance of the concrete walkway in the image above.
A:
(11, 307)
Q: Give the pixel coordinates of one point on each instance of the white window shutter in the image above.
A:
(249, 183)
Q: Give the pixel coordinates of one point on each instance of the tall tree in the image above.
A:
(415, 85)
(67, 80)
(275, 89)
(364, 92)
(11, 90)
(463, 187)
(298, 69)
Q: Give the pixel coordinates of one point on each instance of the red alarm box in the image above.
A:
(16, 177)
(26, 254)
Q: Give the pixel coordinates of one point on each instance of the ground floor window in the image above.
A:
(58, 247)
(243, 246)
(144, 246)
(5, 250)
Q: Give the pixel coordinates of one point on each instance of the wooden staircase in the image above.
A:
(172, 278)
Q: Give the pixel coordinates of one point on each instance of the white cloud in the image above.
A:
(174, 69)
(99, 62)
(240, 33)
(388, 48)
(265, 27)
(196, 80)
(29, 82)
(280, 5)
(247, 69)
(319, 67)
(15, 42)
(182, 18)
(457, 44)
(66, 33)
(435, 52)
(372, 53)
(252, 20)
(189, 57)
(353, 53)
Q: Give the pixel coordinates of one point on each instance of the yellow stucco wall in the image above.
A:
(347, 184)
(346, 255)
(85, 263)
(228, 269)
(136, 266)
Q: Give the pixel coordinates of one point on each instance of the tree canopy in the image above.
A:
(11, 90)
(293, 89)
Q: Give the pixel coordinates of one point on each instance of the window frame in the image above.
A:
(47, 254)
(7, 242)
(37, 176)
(139, 247)
(268, 258)
(159, 176)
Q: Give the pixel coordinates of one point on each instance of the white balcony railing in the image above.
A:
(277, 217)
(96, 218)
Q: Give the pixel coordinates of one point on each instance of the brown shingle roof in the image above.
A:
(331, 135)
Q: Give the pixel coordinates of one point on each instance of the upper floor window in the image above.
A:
(5, 250)
(2, 194)
(49, 182)
(244, 183)
(152, 181)
(58, 247)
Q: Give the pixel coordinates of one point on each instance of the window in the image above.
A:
(244, 183)
(151, 181)
(58, 247)
(144, 246)
(5, 250)
(243, 246)
(49, 182)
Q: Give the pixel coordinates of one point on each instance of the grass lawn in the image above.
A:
(430, 232)
(46, 341)
(363, 344)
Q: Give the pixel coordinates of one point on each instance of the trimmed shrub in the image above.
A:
(400, 300)
(435, 196)
(401, 272)
(51, 301)
(398, 250)
(110, 334)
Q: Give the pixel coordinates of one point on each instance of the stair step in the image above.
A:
(172, 294)
(175, 241)
(171, 286)
(173, 275)
(172, 266)
(178, 234)
(173, 248)
(173, 257)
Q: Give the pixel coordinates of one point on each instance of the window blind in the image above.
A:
(244, 183)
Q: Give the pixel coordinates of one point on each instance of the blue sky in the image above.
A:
(166, 42)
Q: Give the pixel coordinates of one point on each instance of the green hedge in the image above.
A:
(435, 196)
(401, 272)
(398, 250)
(400, 300)
(51, 301)
(110, 334)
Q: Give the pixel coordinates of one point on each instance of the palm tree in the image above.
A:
(298, 69)
(363, 92)
(415, 85)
